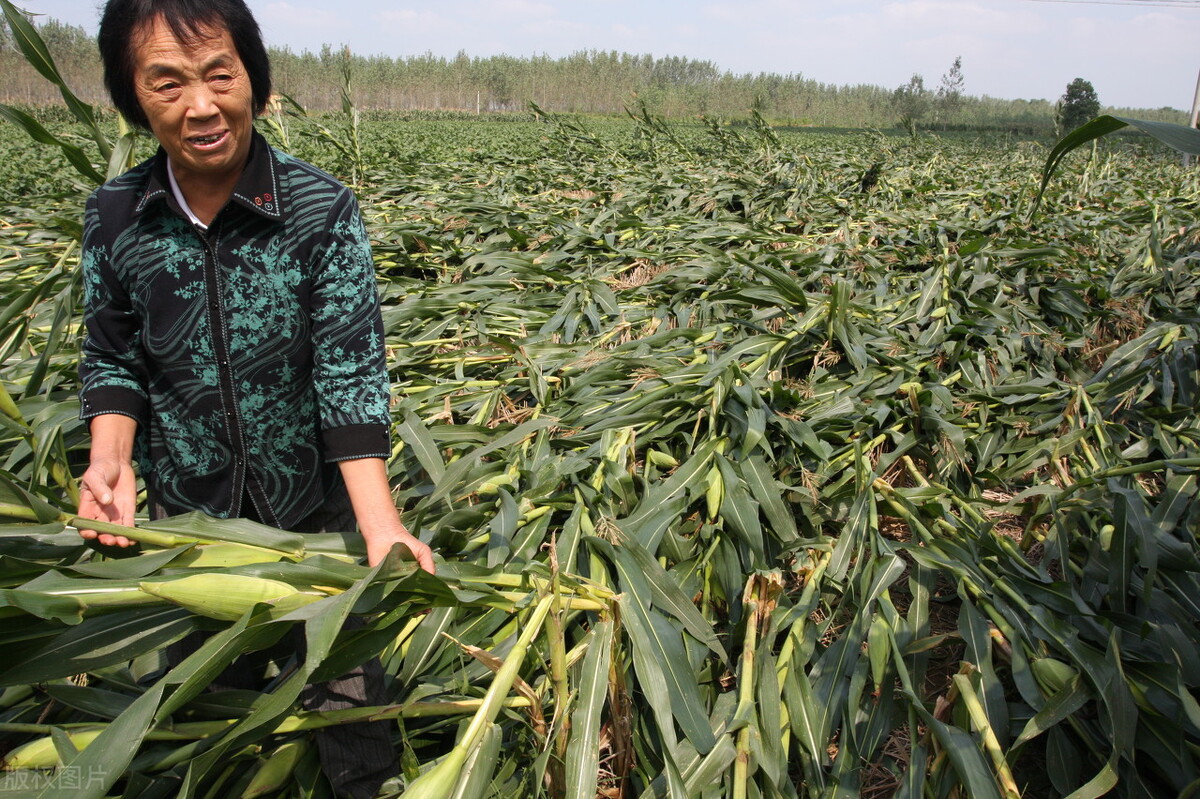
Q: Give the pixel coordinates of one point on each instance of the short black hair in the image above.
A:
(123, 20)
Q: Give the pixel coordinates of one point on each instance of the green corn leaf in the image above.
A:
(708, 772)
(1098, 785)
(30, 43)
(738, 509)
(1180, 137)
(657, 640)
(134, 568)
(93, 701)
(773, 758)
(76, 156)
(666, 593)
(765, 489)
(785, 284)
(104, 760)
(583, 748)
(476, 778)
(413, 432)
(686, 478)
(965, 756)
(200, 527)
(122, 158)
(17, 503)
(66, 609)
(103, 641)
(807, 717)
(1060, 707)
(453, 478)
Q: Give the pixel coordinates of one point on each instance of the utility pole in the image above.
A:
(1187, 159)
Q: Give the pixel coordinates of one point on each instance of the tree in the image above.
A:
(911, 101)
(1076, 106)
(949, 93)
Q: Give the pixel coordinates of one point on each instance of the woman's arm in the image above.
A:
(378, 521)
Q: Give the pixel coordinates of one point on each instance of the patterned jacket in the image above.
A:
(251, 354)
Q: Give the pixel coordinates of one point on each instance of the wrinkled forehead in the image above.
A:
(159, 31)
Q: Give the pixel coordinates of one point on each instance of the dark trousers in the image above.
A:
(356, 758)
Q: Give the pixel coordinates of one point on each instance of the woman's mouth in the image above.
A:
(207, 141)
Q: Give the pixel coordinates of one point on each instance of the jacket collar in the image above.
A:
(257, 190)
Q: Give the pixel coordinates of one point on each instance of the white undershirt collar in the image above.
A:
(179, 198)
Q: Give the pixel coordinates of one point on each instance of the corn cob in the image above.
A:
(42, 754)
(228, 596)
(223, 555)
(277, 770)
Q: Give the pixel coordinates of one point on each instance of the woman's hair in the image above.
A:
(122, 24)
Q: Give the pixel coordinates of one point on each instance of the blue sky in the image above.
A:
(1135, 56)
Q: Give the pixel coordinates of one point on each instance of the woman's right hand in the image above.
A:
(108, 493)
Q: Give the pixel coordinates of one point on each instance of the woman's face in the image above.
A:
(198, 100)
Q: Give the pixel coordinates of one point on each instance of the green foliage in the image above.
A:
(950, 92)
(819, 488)
(1179, 137)
(596, 82)
(911, 102)
(342, 136)
(117, 158)
(1078, 104)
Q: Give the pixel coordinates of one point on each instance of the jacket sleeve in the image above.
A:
(350, 367)
(112, 371)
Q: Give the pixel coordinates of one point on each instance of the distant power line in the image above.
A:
(1147, 3)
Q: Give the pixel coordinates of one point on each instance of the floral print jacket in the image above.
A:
(251, 354)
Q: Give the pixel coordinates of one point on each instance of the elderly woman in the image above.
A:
(234, 342)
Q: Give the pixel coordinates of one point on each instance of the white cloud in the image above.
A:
(520, 7)
(407, 16)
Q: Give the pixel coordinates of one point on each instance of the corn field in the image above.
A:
(759, 464)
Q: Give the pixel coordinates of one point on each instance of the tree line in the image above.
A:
(591, 81)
